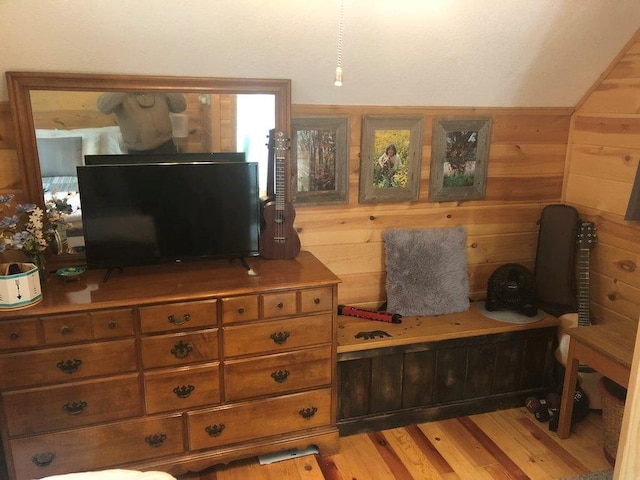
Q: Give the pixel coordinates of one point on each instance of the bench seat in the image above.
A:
(431, 368)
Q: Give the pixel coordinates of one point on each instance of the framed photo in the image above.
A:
(459, 157)
(390, 160)
(319, 160)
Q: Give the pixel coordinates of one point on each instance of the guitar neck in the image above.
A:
(584, 301)
(280, 184)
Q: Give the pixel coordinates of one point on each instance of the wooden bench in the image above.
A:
(431, 368)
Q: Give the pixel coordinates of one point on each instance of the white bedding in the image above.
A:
(59, 166)
(114, 474)
(95, 141)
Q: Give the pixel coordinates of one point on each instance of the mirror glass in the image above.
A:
(59, 123)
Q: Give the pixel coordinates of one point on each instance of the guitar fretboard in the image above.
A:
(584, 314)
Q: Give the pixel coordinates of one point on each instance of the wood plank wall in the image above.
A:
(525, 173)
(602, 158)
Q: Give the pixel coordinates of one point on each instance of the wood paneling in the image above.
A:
(525, 173)
(602, 159)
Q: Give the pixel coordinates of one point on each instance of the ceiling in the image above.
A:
(534, 53)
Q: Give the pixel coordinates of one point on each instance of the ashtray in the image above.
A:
(71, 273)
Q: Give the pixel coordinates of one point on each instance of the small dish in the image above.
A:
(71, 273)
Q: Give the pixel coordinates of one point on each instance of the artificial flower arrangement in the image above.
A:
(27, 230)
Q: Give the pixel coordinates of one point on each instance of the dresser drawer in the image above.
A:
(67, 328)
(93, 448)
(280, 304)
(177, 316)
(67, 364)
(278, 335)
(183, 388)
(112, 323)
(180, 349)
(20, 334)
(78, 404)
(239, 309)
(316, 300)
(277, 374)
(264, 418)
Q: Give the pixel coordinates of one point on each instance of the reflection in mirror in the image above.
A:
(71, 125)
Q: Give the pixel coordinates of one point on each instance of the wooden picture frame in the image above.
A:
(381, 178)
(320, 160)
(459, 158)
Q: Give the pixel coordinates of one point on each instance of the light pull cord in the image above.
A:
(338, 80)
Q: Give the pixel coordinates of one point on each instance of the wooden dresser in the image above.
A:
(173, 367)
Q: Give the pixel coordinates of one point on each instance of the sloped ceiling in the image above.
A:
(541, 53)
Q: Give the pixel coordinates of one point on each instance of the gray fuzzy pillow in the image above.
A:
(426, 271)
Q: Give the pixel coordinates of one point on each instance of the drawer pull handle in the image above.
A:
(155, 440)
(184, 391)
(280, 337)
(280, 305)
(179, 320)
(65, 330)
(307, 413)
(14, 335)
(316, 301)
(43, 459)
(214, 430)
(75, 408)
(112, 325)
(181, 349)
(280, 376)
(69, 366)
(241, 310)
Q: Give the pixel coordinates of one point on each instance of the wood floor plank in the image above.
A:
(431, 453)
(358, 458)
(413, 456)
(456, 454)
(510, 441)
(509, 466)
(389, 455)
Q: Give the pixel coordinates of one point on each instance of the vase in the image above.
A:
(39, 261)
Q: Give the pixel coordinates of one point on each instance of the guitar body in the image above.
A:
(279, 240)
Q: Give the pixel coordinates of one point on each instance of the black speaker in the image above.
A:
(512, 287)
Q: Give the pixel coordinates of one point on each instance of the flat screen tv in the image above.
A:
(169, 212)
(109, 159)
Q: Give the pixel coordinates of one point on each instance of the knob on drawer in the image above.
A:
(280, 337)
(69, 366)
(215, 430)
(43, 459)
(155, 440)
(181, 349)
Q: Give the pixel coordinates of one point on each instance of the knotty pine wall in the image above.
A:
(602, 158)
(525, 173)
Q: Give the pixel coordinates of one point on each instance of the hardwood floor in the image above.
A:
(508, 444)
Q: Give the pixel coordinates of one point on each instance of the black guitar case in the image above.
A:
(555, 259)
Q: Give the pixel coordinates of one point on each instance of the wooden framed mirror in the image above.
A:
(65, 101)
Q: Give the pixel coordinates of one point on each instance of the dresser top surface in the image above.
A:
(177, 282)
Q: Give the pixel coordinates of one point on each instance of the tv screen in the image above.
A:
(165, 157)
(168, 212)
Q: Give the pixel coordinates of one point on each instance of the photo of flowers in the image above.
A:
(391, 158)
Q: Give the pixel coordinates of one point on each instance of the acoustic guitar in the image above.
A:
(278, 239)
(587, 239)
